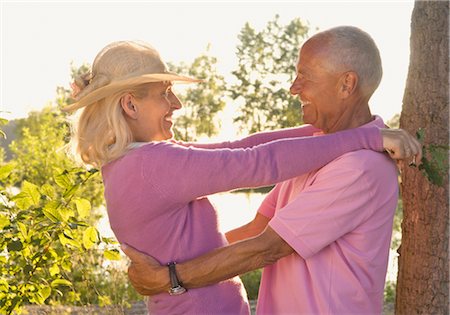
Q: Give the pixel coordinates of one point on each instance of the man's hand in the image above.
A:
(146, 275)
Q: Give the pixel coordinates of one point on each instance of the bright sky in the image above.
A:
(39, 39)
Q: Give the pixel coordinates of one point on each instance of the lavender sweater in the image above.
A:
(156, 198)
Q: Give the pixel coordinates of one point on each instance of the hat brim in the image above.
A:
(106, 90)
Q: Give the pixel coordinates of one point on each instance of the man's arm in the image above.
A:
(251, 229)
(148, 277)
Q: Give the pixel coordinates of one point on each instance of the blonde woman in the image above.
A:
(156, 188)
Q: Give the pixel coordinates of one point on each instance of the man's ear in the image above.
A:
(128, 106)
(348, 84)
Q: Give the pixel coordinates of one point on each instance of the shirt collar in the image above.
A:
(377, 121)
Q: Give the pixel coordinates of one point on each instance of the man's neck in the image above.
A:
(354, 116)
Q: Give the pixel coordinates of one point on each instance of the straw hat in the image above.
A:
(117, 67)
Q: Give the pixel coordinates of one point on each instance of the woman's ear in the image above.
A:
(128, 106)
(348, 83)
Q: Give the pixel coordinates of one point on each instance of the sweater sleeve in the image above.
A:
(181, 174)
(256, 138)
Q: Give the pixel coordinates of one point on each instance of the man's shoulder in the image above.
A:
(361, 158)
(364, 162)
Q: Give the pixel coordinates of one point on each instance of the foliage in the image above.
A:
(397, 226)
(48, 241)
(394, 122)
(50, 251)
(41, 229)
(266, 68)
(389, 292)
(38, 151)
(434, 161)
(3, 122)
(251, 281)
(202, 101)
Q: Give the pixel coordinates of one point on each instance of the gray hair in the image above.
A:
(350, 48)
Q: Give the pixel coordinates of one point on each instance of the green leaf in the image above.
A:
(67, 238)
(112, 254)
(71, 191)
(104, 300)
(66, 265)
(51, 211)
(54, 270)
(59, 282)
(4, 286)
(420, 134)
(63, 180)
(28, 197)
(5, 170)
(15, 246)
(27, 269)
(90, 237)
(66, 213)
(83, 207)
(32, 191)
(48, 190)
(23, 230)
(4, 221)
(43, 294)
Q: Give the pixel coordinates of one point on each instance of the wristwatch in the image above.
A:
(176, 286)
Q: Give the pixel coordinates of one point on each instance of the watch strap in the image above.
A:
(176, 287)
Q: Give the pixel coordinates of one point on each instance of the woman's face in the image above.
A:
(154, 118)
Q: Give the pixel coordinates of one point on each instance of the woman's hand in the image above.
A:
(401, 145)
(146, 275)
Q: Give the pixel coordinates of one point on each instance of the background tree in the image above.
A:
(202, 101)
(266, 68)
(423, 278)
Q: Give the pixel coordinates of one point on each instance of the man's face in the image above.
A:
(317, 87)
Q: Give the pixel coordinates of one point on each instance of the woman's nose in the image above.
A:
(175, 102)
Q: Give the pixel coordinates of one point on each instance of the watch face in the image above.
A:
(177, 290)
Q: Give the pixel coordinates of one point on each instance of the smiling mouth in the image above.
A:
(304, 103)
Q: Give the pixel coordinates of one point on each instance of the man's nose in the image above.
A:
(295, 87)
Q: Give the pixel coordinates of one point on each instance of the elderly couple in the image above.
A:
(322, 234)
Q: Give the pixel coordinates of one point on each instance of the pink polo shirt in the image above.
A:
(338, 219)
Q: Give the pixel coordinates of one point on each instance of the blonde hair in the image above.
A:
(100, 133)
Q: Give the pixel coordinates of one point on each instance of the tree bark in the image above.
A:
(423, 279)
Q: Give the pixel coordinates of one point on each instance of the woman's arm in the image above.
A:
(178, 175)
(256, 138)
(251, 229)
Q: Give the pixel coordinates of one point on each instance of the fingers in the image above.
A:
(414, 150)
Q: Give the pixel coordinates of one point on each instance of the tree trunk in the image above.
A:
(423, 279)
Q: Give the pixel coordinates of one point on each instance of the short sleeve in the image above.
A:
(268, 206)
(338, 200)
